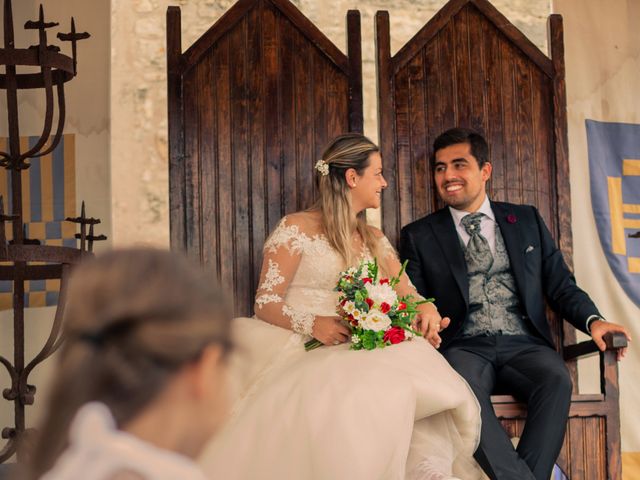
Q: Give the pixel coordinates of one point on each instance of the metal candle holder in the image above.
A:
(55, 70)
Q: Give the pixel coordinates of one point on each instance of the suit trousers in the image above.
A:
(527, 368)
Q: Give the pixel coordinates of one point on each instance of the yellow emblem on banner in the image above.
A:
(618, 209)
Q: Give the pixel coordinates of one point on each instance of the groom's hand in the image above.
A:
(431, 324)
(600, 328)
(330, 330)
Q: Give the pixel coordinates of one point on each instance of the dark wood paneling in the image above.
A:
(462, 68)
(257, 128)
(417, 162)
(207, 131)
(220, 102)
(240, 197)
(176, 130)
(611, 388)
(253, 102)
(354, 42)
(191, 163)
(273, 128)
(386, 125)
(403, 147)
(584, 458)
(492, 60)
(287, 115)
(448, 81)
(477, 78)
(303, 122)
(577, 451)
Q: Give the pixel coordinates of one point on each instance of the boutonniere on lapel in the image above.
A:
(511, 218)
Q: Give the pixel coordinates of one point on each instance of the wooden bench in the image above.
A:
(255, 99)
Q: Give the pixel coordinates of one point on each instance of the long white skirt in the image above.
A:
(333, 413)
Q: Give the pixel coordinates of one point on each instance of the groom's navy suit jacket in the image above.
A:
(438, 269)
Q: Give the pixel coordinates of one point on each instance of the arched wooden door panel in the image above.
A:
(251, 105)
(469, 66)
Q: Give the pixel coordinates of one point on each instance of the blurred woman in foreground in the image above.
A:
(140, 384)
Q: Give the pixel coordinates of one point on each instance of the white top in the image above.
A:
(487, 224)
(99, 451)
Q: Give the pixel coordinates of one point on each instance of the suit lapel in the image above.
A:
(447, 236)
(510, 229)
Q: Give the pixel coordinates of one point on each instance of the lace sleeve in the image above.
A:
(392, 265)
(282, 254)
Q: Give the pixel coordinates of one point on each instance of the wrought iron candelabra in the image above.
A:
(26, 259)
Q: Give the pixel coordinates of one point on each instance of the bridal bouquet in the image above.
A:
(370, 305)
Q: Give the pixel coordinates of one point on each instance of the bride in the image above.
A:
(333, 413)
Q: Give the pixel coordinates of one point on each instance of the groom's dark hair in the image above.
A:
(479, 148)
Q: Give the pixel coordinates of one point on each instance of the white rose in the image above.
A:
(356, 314)
(375, 320)
(381, 293)
(349, 306)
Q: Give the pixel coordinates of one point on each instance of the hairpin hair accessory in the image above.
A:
(322, 167)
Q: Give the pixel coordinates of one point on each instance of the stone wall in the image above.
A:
(138, 81)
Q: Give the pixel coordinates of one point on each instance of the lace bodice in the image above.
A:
(300, 270)
(311, 288)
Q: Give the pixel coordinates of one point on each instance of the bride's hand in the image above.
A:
(330, 330)
(430, 324)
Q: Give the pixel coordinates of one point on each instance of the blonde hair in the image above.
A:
(351, 150)
(133, 319)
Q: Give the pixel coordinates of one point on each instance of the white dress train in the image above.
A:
(333, 413)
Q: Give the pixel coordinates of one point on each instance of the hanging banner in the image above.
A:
(614, 168)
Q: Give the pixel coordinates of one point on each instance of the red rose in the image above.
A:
(352, 321)
(401, 306)
(343, 302)
(385, 307)
(367, 280)
(383, 281)
(369, 302)
(511, 218)
(394, 335)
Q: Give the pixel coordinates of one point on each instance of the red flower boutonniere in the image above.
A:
(511, 218)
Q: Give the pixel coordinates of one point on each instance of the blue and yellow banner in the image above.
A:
(614, 165)
(48, 197)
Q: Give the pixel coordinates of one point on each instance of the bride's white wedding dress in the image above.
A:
(332, 413)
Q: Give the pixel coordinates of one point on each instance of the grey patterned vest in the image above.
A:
(494, 306)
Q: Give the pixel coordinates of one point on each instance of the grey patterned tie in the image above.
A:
(478, 253)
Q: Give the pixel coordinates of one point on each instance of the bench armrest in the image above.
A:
(614, 341)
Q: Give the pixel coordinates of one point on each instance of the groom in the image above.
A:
(491, 265)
